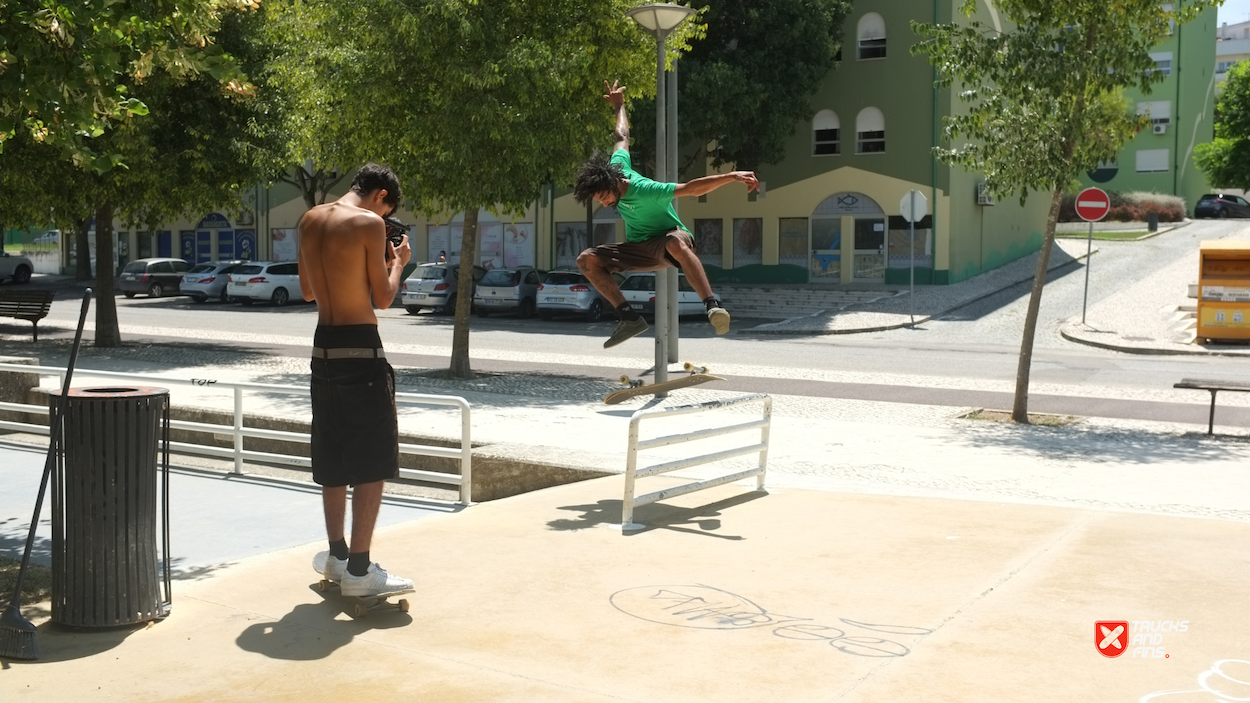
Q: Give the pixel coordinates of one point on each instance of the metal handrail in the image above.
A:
(238, 431)
(632, 472)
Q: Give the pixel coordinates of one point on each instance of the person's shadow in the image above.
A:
(313, 630)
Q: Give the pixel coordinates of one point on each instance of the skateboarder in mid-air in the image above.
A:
(655, 236)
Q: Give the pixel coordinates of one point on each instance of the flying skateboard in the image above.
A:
(636, 386)
(363, 605)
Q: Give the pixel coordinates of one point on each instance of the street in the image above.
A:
(967, 357)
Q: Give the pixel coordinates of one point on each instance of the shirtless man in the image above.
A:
(347, 265)
(655, 237)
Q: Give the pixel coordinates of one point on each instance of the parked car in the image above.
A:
(568, 291)
(15, 268)
(258, 281)
(639, 292)
(1221, 205)
(434, 286)
(208, 280)
(156, 277)
(508, 290)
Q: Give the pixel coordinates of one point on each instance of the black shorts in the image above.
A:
(651, 255)
(355, 425)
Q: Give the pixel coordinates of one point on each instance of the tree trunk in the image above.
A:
(107, 333)
(1020, 409)
(82, 248)
(464, 298)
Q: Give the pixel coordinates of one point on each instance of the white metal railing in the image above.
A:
(238, 431)
(632, 472)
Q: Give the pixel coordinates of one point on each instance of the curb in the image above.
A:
(902, 325)
(1148, 351)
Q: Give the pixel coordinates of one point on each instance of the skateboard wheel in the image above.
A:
(324, 585)
(361, 610)
(403, 605)
(624, 379)
(687, 366)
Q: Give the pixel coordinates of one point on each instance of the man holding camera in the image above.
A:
(347, 264)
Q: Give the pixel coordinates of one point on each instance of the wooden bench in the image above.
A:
(32, 305)
(1213, 387)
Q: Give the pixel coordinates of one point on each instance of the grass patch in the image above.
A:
(1034, 418)
(37, 586)
(1107, 236)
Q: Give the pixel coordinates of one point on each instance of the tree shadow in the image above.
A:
(1088, 443)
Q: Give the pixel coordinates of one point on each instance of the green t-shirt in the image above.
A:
(647, 206)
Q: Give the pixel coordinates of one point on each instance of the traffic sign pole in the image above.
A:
(913, 208)
(1092, 204)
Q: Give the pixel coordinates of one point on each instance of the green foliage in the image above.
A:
(67, 70)
(1226, 159)
(748, 83)
(1045, 98)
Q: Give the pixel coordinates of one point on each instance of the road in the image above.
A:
(968, 357)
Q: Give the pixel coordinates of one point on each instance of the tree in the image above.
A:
(66, 69)
(1226, 159)
(747, 84)
(1045, 102)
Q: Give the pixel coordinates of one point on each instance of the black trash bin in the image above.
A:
(114, 453)
(1152, 222)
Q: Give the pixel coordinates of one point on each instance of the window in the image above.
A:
(1160, 111)
(869, 131)
(1169, 7)
(826, 132)
(748, 241)
(1223, 66)
(1163, 62)
(871, 33)
(1152, 160)
(709, 241)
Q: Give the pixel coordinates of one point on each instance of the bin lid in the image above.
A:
(117, 391)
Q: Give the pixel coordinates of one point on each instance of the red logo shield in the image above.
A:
(1111, 637)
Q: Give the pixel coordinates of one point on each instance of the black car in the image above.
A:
(1221, 205)
(156, 277)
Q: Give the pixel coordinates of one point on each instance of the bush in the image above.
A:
(1135, 206)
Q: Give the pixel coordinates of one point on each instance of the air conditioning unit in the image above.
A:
(1161, 128)
(983, 195)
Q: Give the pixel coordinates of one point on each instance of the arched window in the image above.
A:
(826, 133)
(871, 35)
(869, 131)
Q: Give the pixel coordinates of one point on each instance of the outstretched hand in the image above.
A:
(747, 177)
(616, 94)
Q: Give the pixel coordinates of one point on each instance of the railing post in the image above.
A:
(631, 465)
(466, 456)
(768, 418)
(238, 431)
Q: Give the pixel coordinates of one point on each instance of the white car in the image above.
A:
(434, 286)
(639, 292)
(260, 281)
(15, 268)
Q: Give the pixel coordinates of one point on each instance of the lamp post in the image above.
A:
(660, 20)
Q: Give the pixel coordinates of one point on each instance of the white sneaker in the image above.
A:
(719, 317)
(330, 568)
(375, 582)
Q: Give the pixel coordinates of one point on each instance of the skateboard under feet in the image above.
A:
(363, 605)
(637, 386)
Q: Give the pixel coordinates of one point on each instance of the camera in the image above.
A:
(395, 231)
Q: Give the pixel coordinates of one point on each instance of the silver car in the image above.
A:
(639, 292)
(434, 286)
(508, 290)
(568, 292)
(208, 281)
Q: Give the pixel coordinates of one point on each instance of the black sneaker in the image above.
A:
(719, 317)
(626, 329)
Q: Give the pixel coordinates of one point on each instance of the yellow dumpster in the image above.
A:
(1224, 290)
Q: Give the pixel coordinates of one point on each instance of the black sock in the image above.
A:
(338, 549)
(358, 563)
(625, 312)
(709, 303)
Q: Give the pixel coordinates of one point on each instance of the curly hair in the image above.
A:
(596, 176)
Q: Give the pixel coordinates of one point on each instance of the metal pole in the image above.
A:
(912, 251)
(1089, 249)
(238, 431)
(661, 290)
(671, 274)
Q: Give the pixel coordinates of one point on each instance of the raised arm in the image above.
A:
(616, 96)
(707, 184)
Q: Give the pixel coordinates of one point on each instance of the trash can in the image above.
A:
(1152, 222)
(1223, 290)
(114, 443)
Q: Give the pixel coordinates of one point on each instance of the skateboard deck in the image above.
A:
(362, 605)
(637, 387)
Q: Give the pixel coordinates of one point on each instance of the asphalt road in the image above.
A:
(968, 357)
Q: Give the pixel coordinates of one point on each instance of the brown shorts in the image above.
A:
(355, 426)
(651, 255)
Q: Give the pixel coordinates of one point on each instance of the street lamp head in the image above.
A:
(661, 18)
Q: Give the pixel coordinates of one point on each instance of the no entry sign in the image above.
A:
(1092, 204)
